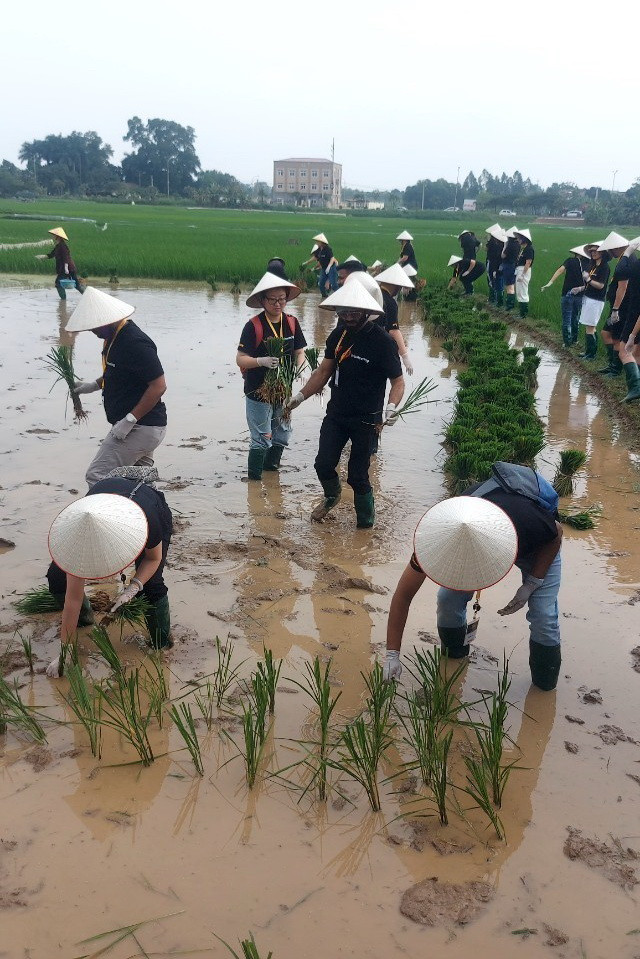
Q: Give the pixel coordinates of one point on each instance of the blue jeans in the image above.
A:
(570, 307)
(332, 276)
(266, 425)
(542, 614)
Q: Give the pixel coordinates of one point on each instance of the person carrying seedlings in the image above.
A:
(595, 278)
(509, 256)
(327, 263)
(122, 520)
(132, 384)
(523, 270)
(270, 330)
(570, 302)
(407, 253)
(630, 337)
(494, 246)
(65, 267)
(391, 281)
(618, 249)
(469, 243)
(469, 543)
(466, 271)
(359, 358)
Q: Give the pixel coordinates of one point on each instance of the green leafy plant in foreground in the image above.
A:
(183, 719)
(15, 712)
(248, 946)
(85, 701)
(60, 361)
(122, 711)
(571, 462)
(38, 600)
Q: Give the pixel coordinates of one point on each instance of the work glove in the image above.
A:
(585, 276)
(40, 256)
(613, 318)
(126, 595)
(392, 667)
(629, 345)
(269, 362)
(529, 586)
(294, 401)
(122, 428)
(53, 669)
(86, 386)
(576, 290)
(406, 362)
(390, 417)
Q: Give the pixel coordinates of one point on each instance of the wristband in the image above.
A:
(130, 418)
(139, 583)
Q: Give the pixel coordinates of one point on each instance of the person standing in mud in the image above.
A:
(523, 270)
(359, 358)
(570, 302)
(407, 253)
(509, 258)
(595, 279)
(132, 384)
(122, 520)
(494, 247)
(65, 267)
(269, 428)
(618, 249)
(327, 263)
(391, 281)
(469, 543)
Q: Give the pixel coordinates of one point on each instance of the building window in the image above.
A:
(325, 173)
(314, 186)
(303, 186)
(303, 172)
(280, 172)
(314, 173)
(292, 172)
(280, 186)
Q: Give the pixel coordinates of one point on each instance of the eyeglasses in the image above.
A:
(276, 299)
(349, 314)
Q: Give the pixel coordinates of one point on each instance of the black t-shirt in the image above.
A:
(389, 321)
(253, 379)
(601, 275)
(526, 253)
(408, 251)
(494, 251)
(151, 501)
(632, 307)
(534, 525)
(324, 256)
(132, 363)
(463, 266)
(469, 243)
(511, 250)
(573, 267)
(621, 272)
(364, 361)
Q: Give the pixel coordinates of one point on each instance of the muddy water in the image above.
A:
(89, 846)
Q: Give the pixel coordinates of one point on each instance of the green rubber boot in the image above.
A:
(86, 617)
(511, 301)
(332, 493)
(272, 458)
(256, 463)
(618, 365)
(499, 298)
(61, 293)
(453, 641)
(544, 662)
(590, 346)
(606, 370)
(365, 509)
(158, 618)
(524, 309)
(492, 295)
(632, 374)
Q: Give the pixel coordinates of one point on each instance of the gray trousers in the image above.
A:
(136, 450)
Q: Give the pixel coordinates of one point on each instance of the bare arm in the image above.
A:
(71, 610)
(399, 338)
(408, 585)
(527, 265)
(149, 564)
(300, 359)
(397, 390)
(555, 276)
(546, 555)
(621, 289)
(154, 391)
(472, 263)
(246, 362)
(318, 379)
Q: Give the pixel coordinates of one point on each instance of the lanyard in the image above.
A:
(105, 356)
(272, 327)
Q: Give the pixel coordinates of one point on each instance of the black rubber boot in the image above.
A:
(332, 493)
(617, 366)
(452, 641)
(590, 346)
(524, 309)
(272, 458)
(492, 295)
(610, 354)
(158, 619)
(365, 509)
(499, 298)
(632, 374)
(544, 662)
(256, 463)
(86, 617)
(511, 301)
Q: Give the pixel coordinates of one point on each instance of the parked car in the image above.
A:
(574, 214)
(451, 209)
(507, 213)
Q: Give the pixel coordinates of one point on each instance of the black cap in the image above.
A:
(276, 266)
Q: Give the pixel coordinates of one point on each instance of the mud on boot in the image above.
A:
(607, 370)
(365, 509)
(256, 463)
(272, 458)
(544, 662)
(158, 619)
(632, 374)
(453, 641)
(332, 493)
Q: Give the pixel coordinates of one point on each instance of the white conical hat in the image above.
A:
(375, 264)
(494, 230)
(405, 235)
(409, 270)
(352, 296)
(352, 257)
(97, 309)
(465, 543)
(454, 259)
(463, 233)
(525, 233)
(613, 242)
(580, 250)
(395, 276)
(314, 247)
(370, 285)
(321, 238)
(98, 536)
(511, 232)
(271, 282)
(58, 231)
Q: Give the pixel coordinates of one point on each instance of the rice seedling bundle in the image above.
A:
(85, 701)
(15, 712)
(416, 399)
(134, 613)
(273, 389)
(38, 600)
(60, 362)
(184, 722)
(580, 519)
(312, 355)
(571, 462)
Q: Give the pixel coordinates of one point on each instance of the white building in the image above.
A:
(302, 181)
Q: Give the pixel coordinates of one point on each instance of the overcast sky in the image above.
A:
(409, 90)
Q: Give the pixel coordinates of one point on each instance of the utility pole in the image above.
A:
(167, 178)
(455, 201)
(422, 207)
(613, 182)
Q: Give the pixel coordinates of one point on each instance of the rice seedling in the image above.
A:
(248, 946)
(211, 280)
(492, 734)
(120, 934)
(571, 462)
(106, 649)
(417, 398)
(478, 789)
(28, 651)
(15, 712)
(312, 355)
(134, 614)
(254, 740)
(361, 747)
(85, 701)
(123, 712)
(154, 683)
(60, 361)
(184, 722)
(317, 685)
(38, 600)
(224, 675)
(270, 672)
(526, 447)
(580, 519)
(259, 696)
(235, 285)
(430, 743)
(206, 702)
(277, 385)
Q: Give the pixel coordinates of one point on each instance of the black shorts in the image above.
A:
(628, 330)
(509, 273)
(616, 330)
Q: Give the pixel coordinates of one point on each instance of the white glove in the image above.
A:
(86, 386)
(576, 290)
(123, 427)
(613, 318)
(392, 667)
(529, 586)
(390, 418)
(126, 595)
(406, 362)
(269, 362)
(294, 401)
(53, 669)
(40, 256)
(631, 342)
(585, 276)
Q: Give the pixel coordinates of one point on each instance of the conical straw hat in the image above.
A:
(613, 242)
(462, 234)
(352, 296)
(580, 250)
(511, 232)
(98, 536)
(321, 238)
(409, 270)
(395, 276)
(405, 235)
(97, 309)
(453, 260)
(370, 285)
(375, 264)
(58, 231)
(271, 282)
(352, 257)
(494, 230)
(465, 543)
(525, 233)
(314, 247)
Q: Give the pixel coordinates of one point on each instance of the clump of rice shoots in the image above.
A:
(85, 701)
(277, 386)
(60, 361)
(235, 285)
(248, 946)
(312, 356)
(416, 399)
(580, 519)
(571, 462)
(185, 724)
(211, 280)
(15, 712)
(133, 613)
(38, 600)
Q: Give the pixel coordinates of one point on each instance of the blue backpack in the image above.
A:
(523, 481)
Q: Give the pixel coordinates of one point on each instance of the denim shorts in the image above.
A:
(509, 273)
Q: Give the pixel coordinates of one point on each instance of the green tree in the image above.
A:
(71, 161)
(164, 155)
